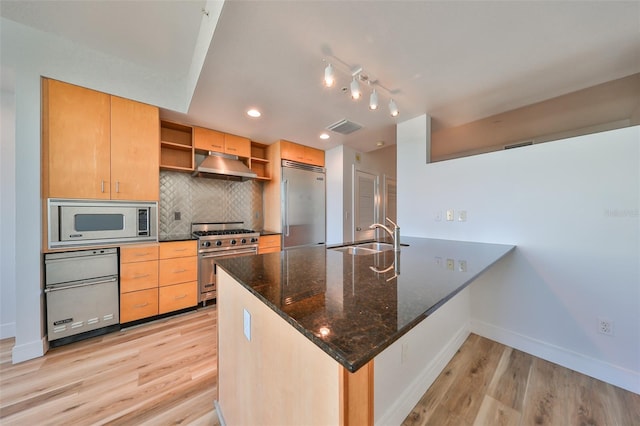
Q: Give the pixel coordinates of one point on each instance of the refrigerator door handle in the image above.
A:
(285, 213)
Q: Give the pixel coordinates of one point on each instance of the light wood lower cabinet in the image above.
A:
(138, 305)
(269, 244)
(178, 296)
(157, 279)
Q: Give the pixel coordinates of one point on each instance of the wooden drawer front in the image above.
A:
(263, 250)
(138, 253)
(138, 276)
(178, 249)
(178, 296)
(138, 304)
(269, 244)
(178, 270)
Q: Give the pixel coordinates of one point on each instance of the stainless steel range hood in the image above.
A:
(223, 166)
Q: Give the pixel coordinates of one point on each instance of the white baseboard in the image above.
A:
(7, 330)
(412, 394)
(30, 350)
(609, 373)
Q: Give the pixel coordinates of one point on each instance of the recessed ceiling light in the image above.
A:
(254, 113)
(324, 136)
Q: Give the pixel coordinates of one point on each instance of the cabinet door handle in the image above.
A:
(142, 254)
(141, 305)
(180, 297)
(117, 186)
(102, 185)
(182, 249)
(137, 277)
(231, 149)
(177, 271)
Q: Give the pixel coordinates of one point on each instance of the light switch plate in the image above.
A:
(449, 215)
(247, 325)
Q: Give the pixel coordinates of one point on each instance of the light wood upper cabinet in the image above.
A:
(303, 154)
(208, 140)
(97, 146)
(237, 145)
(76, 141)
(212, 140)
(135, 152)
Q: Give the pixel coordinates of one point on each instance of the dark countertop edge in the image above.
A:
(355, 366)
(265, 232)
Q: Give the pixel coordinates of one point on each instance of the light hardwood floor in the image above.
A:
(489, 384)
(160, 373)
(165, 373)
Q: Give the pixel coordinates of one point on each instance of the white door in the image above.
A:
(365, 205)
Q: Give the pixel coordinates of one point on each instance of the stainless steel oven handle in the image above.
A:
(81, 284)
(226, 254)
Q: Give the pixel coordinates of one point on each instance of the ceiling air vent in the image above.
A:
(344, 126)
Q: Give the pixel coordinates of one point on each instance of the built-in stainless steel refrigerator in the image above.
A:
(303, 204)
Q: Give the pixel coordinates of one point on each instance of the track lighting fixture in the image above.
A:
(355, 89)
(358, 75)
(329, 77)
(373, 100)
(393, 108)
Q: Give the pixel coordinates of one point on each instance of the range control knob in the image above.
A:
(243, 241)
(254, 240)
(206, 243)
(218, 243)
(233, 242)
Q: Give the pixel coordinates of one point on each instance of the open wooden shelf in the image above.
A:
(176, 147)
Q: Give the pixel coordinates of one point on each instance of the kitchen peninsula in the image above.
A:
(299, 330)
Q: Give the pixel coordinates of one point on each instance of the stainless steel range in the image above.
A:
(217, 240)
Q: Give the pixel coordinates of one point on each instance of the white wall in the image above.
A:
(7, 216)
(572, 209)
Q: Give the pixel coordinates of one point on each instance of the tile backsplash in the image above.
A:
(207, 200)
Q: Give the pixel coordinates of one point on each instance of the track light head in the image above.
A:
(393, 108)
(355, 89)
(373, 100)
(329, 77)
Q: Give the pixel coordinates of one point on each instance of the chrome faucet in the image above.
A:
(393, 233)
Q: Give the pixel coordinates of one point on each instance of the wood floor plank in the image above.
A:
(509, 382)
(547, 395)
(493, 412)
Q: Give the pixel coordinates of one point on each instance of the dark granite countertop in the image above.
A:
(176, 237)
(353, 307)
(266, 232)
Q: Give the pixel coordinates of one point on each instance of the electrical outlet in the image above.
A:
(462, 216)
(605, 326)
(462, 265)
(450, 264)
(176, 215)
(449, 215)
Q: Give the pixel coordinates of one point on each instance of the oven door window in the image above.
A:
(98, 222)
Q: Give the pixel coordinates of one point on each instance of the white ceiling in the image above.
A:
(456, 61)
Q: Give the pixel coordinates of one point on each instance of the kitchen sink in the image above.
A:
(364, 248)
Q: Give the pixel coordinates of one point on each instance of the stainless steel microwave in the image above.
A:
(74, 223)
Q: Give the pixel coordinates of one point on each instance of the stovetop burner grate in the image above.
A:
(223, 232)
